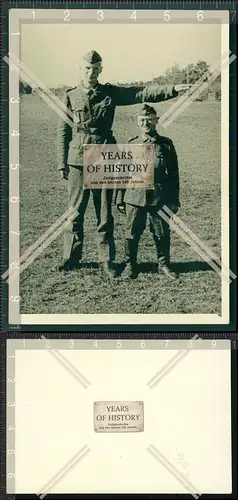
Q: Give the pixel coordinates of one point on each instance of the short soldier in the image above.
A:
(92, 107)
(137, 203)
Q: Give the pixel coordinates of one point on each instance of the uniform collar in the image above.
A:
(151, 138)
(91, 90)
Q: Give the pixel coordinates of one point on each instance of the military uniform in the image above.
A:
(92, 113)
(140, 202)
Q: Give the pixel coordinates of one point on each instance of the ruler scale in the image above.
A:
(69, 342)
(23, 337)
(135, 337)
(10, 418)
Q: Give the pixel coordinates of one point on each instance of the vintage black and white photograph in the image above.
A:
(155, 255)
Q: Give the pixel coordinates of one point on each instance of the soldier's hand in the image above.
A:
(182, 86)
(173, 208)
(122, 208)
(64, 172)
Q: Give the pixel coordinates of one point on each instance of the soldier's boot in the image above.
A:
(164, 261)
(75, 257)
(68, 265)
(165, 269)
(131, 269)
(108, 269)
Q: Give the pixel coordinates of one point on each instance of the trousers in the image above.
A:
(135, 225)
(74, 231)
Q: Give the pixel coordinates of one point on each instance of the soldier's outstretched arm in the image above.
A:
(64, 137)
(124, 96)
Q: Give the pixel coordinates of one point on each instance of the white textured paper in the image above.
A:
(187, 418)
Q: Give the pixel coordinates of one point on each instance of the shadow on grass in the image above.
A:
(88, 265)
(178, 267)
(191, 266)
(152, 267)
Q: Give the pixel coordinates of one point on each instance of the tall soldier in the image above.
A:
(92, 106)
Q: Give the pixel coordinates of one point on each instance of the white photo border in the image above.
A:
(15, 317)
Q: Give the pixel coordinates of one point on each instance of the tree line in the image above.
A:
(191, 74)
(173, 75)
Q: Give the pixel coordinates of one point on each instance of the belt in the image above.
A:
(96, 131)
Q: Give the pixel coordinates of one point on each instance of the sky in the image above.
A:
(130, 52)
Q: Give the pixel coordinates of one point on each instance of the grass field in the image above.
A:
(196, 134)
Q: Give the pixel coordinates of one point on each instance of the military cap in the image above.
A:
(92, 57)
(147, 110)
